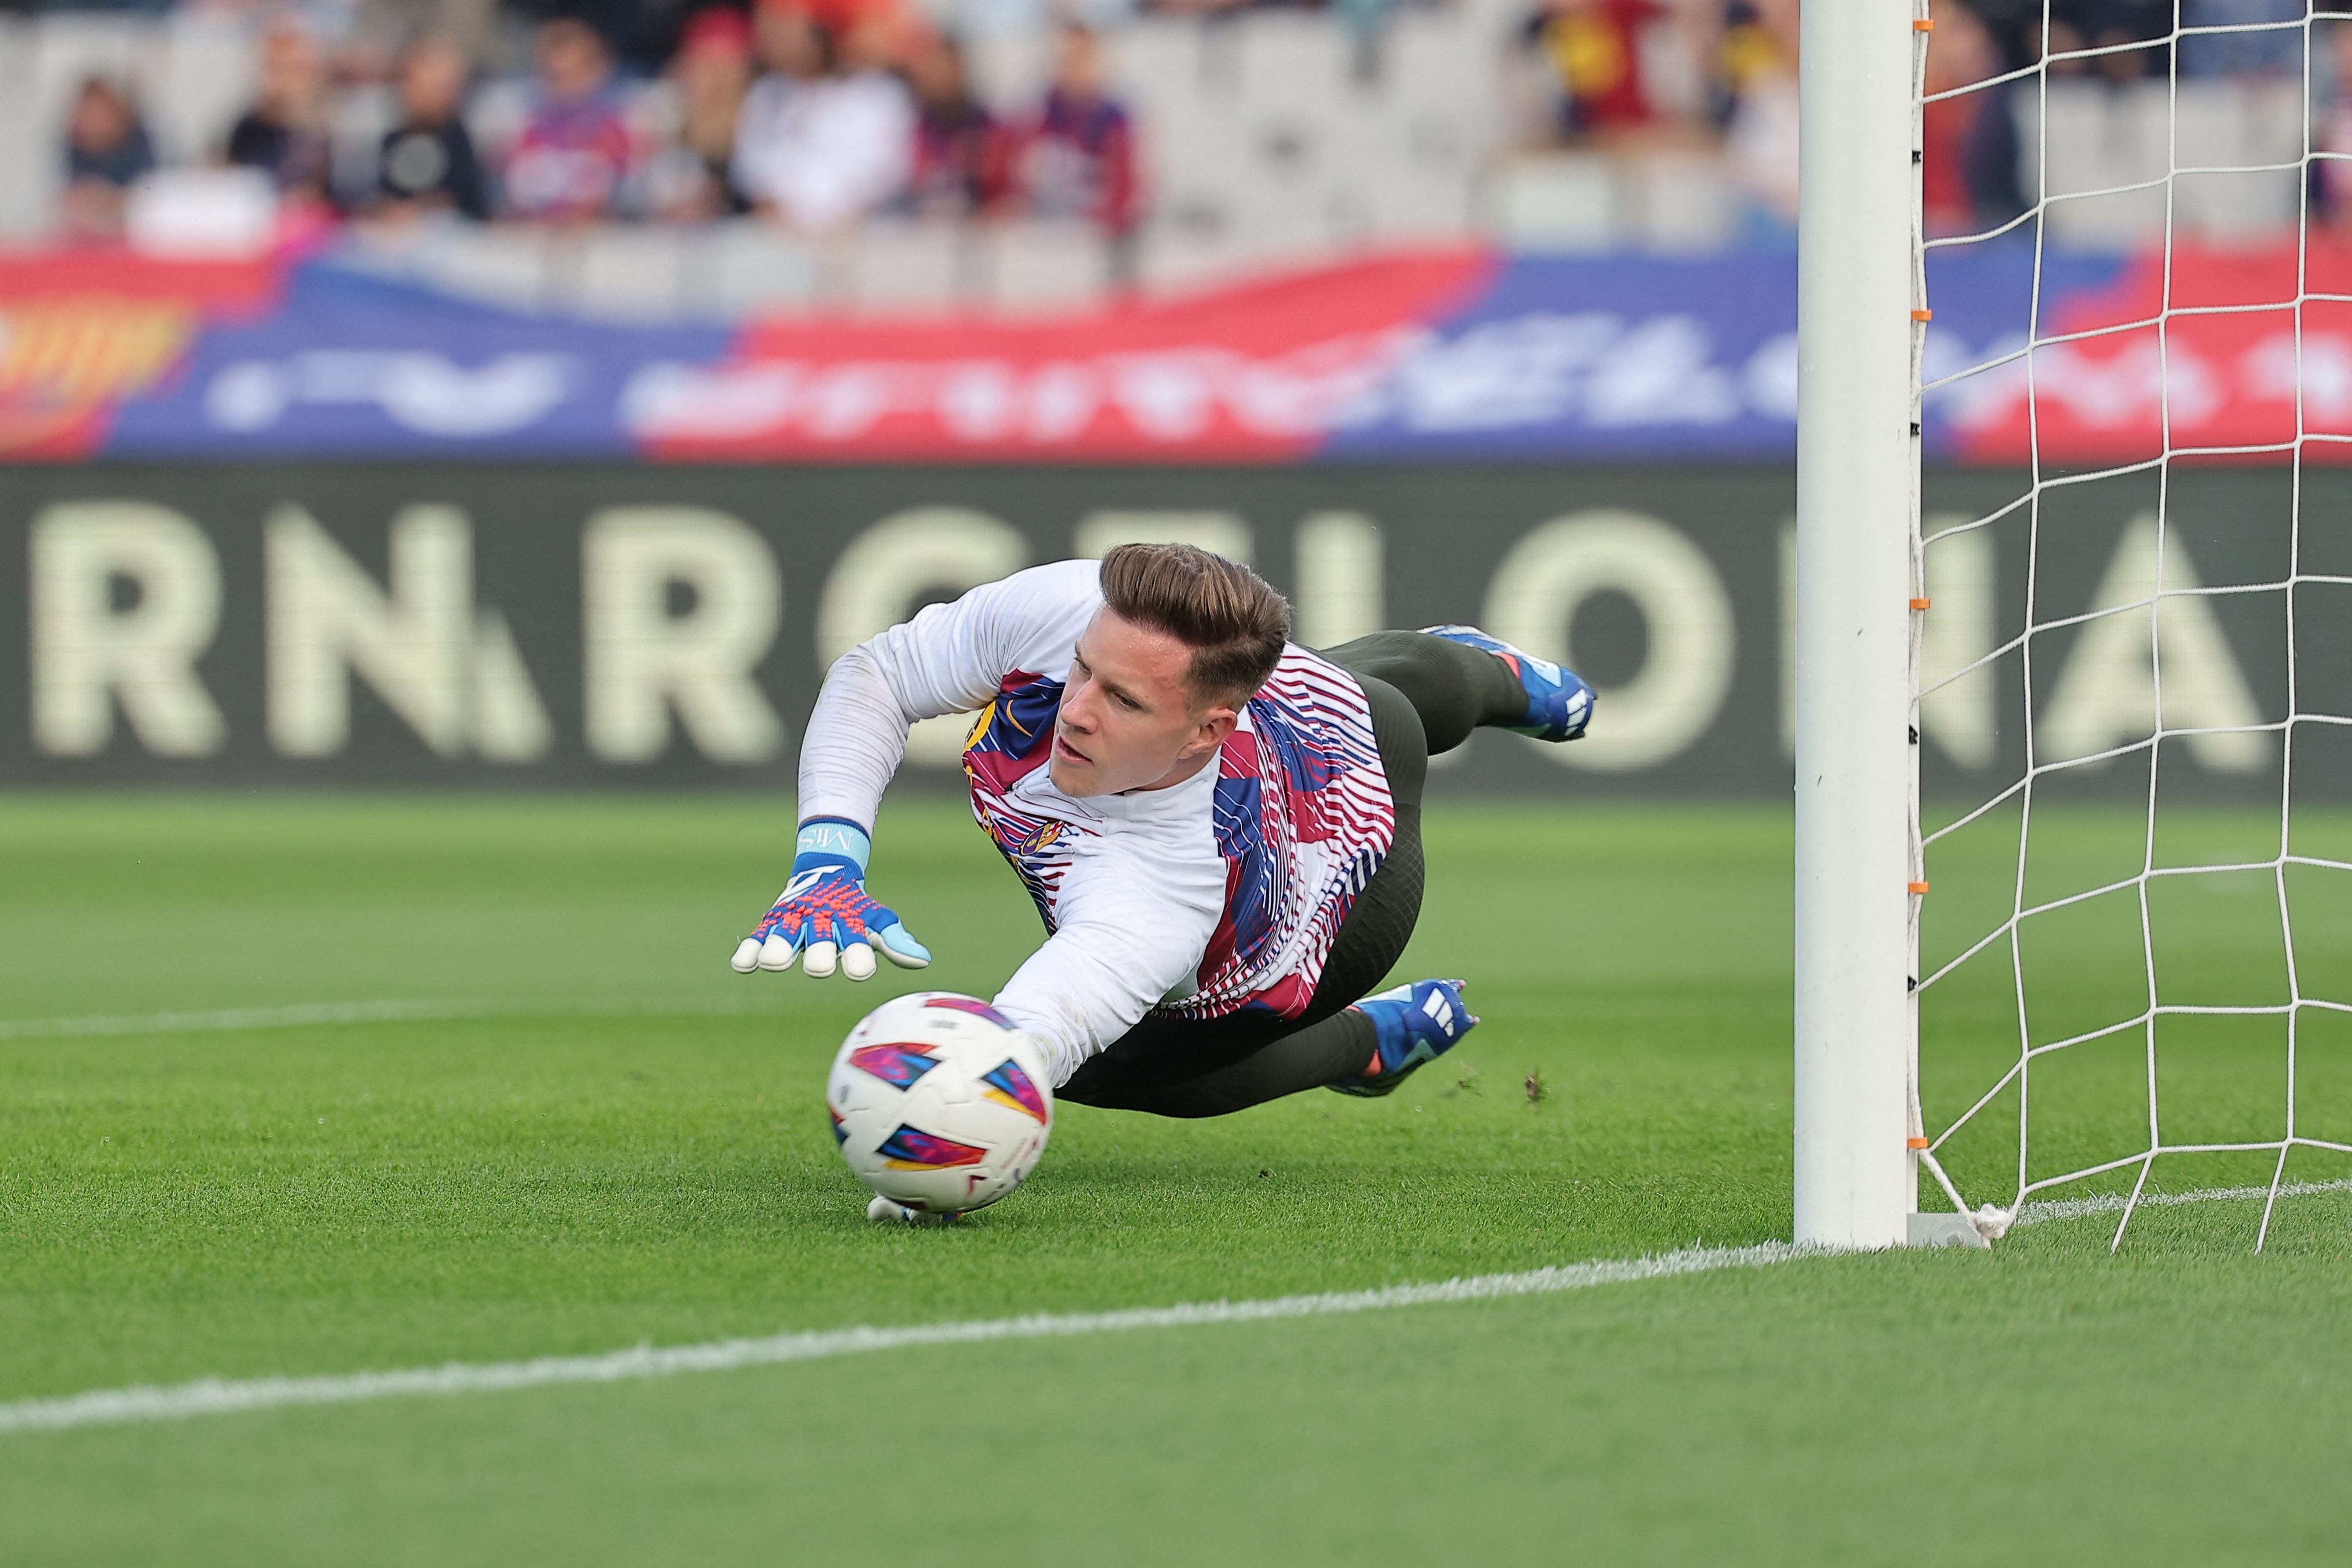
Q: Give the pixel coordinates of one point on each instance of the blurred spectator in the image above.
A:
(285, 133)
(2331, 176)
(2114, 24)
(428, 162)
(1968, 173)
(573, 160)
(1076, 158)
(963, 158)
(793, 53)
(688, 183)
(827, 136)
(840, 18)
(1593, 54)
(106, 149)
(382, 28)
(2274, 52)
(2060, 51)
(1760, 54)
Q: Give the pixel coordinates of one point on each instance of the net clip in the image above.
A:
(1918, 887)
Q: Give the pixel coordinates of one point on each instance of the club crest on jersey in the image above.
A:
(910, 1149)
(1037, 838)
(899, 1065)
(1011, 1088)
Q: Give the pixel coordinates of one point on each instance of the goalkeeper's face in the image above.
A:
(1129, 719)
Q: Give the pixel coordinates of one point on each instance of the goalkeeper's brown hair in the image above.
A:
(1233, 621)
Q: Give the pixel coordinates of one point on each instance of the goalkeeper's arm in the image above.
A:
(950, 658)
(856, 738)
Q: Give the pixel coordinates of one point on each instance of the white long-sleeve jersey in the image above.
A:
(1219, 894)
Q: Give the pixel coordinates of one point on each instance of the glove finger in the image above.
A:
(857, 961)
(746, 956)
(818, 958)
(777, 953)
(902, 948)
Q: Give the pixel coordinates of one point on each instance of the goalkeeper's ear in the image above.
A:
(1212, 724)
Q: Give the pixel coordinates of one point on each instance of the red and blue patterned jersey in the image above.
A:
(1300, 812)
(1222, 892)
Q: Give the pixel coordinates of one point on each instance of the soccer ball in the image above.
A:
(938, 1103)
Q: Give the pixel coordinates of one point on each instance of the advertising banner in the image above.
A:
(1447, 355)
(566, 625)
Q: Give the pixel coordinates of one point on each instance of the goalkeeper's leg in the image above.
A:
(1458, 679)
(1176, 1066)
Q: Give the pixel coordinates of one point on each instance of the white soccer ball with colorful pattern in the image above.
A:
(938, 1103)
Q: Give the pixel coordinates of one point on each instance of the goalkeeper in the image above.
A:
(1221, 828)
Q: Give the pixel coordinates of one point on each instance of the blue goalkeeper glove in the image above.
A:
(824, 916)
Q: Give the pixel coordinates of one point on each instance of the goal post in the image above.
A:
(1857, 484)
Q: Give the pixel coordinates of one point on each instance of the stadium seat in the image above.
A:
(1419, 172)
(749, 266)
(620, 272)
(897, 264)
(2239, 125)
(1448, 65)
(1680, 201)
(1008, 70)
(1046, 266)
(1155, 56)
(362, 117)
(1557, 202)
(2101, 139)
(193, 88)
(505, 266)
(23, 209)
(1295, 58)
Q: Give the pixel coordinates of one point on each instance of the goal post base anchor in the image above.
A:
(1944, 1230)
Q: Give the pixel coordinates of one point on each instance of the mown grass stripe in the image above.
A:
(212, 1396)
(301, 1014)
(217, 1397)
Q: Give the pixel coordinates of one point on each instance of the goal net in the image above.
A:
(2129, 616)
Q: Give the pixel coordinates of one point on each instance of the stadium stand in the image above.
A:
(1262, 137)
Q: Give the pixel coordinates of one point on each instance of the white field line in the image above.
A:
(212, 1395)
(2113, 1202)
(388, 1011)
(215, 1396)
(237, 1018)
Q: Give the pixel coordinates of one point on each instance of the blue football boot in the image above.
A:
(1559, 705)
(1414, 1023)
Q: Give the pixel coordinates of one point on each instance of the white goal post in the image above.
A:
(1857, 483)
(2236, 365)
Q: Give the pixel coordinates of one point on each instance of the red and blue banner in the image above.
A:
(1451, 355)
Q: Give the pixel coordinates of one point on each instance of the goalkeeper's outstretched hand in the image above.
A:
(823, 916)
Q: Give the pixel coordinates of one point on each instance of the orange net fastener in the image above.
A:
(1918, 887)
(1923, 314)
(1914, 1143)
(1923, 24)
(1921, 603)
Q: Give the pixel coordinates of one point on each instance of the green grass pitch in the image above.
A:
(620, 1141)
